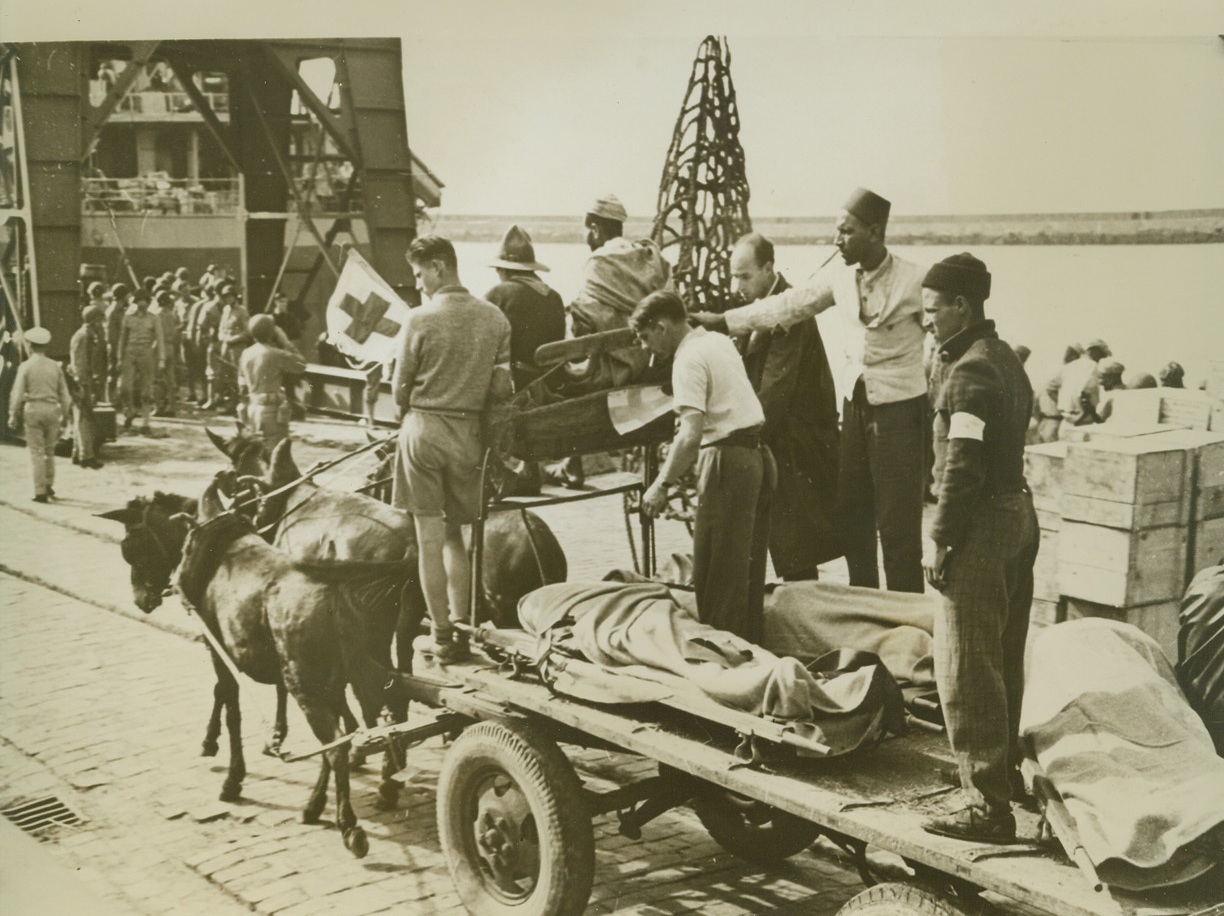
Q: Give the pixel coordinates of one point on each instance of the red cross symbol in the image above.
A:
(368, 318)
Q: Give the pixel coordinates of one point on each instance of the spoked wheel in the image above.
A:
(752, 830)
(513, 823)
(897, 898)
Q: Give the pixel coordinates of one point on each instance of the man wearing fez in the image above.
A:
(790, 373)
(719, 429)
(881, 457)
(981, 547)
(88, 362)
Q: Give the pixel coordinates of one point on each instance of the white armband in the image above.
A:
(966, 426)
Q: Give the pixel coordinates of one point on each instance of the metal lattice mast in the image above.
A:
(703, 194)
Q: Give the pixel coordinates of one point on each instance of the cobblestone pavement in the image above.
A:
(105, 713)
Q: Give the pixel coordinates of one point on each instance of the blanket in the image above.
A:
(1105, 720)
(809, 619)
(638, 629)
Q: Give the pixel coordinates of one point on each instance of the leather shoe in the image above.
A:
(970, 824)
(42, 498)
(92, 463)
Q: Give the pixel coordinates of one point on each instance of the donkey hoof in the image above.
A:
(355, 841)
(311, 815)
(388, 795)
(209, 749)
(231, 793)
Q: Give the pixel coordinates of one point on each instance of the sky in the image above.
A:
(945, 106)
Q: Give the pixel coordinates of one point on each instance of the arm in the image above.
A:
(159, 332)
(122, 348)
(65, 397)
(405, 369)
(781, 311)
(967, 393)
(501, 385)
(680, 458)
(17, 397)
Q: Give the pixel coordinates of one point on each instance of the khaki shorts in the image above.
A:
(437, 471)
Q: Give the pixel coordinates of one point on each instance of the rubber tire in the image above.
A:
(781, 837)
(552, 791)
(897, 898)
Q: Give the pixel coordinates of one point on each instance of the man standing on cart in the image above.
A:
(454, 359)
(981, 547)
(720, 430)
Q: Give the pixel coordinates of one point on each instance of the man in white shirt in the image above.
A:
(719, 430)
(884, 413)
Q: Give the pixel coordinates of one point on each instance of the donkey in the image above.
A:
(157, 531)
(301, 624)
(521, 552)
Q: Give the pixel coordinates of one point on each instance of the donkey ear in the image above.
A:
(284, 468)
(124, 516)
(220, 443)
(210, 503)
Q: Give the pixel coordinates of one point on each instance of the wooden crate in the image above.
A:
(1158, 620)
(1121, 568)
(1043, 613)
(1208, 545)
(1206, 451)
(1137, 471)
(1045, 570)
(1126, 516)
(1043, 468)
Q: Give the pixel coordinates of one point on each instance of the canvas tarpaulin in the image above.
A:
(638, 629)
(1115, 736)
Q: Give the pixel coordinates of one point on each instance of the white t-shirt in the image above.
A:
(708, 375)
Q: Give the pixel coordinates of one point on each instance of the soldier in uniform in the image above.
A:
(88, 362)
(38, 403)
(142, 351)
(262, 370)
(121, 300)
(233, 337)
(981, 547)
(168, 377)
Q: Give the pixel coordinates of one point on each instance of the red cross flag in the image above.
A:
(364, 314)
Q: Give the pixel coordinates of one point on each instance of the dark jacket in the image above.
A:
(790, 372)
(537, 316)
(981, 418)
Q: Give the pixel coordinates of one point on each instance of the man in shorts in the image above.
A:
(454, 359)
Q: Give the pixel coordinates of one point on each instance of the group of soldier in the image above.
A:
(139, 348)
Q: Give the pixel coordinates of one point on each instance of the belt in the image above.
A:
(458, 412)
(741, 438)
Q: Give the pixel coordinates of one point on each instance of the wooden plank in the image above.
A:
(1139, 407)
(1044, 613)
(1045, 570)
(1146, 469)
(1121, 568)
(1049, 520)
(1186, 408)
(1127, 516)
(1043, 466)
(1208, 544)
(1210, 503)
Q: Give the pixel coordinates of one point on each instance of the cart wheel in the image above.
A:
(896, 898)
(752, 830)
(514, 824)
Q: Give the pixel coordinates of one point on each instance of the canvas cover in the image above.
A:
(1107, 723)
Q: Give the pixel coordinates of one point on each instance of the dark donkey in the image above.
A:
(305, 625)
(153, 545)
(312, 522)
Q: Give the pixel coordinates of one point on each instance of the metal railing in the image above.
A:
(158, 194)
(153, 102)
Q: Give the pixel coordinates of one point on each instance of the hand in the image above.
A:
(934, 561)
(711, 321)
(654, 500)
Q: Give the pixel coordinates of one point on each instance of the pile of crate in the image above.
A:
(1126, 521)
